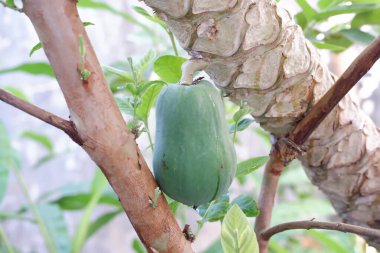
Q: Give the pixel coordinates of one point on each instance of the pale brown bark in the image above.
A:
(256, 53)
(100, 125)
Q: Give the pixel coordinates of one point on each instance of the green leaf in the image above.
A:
(102, 221)
(250, 165)
(39, 138)
(106, 7)
(81, 200)
(10, 3)
(168, 68)
(148, 100)
(36, 47)
(308, 11)
(241, 125)
(56, 226)
(125, 76)
(241, 113)
(17, 92)
(247, 204)
(357, 36)
(237, 234)
(125, 105)
(215, 210)
(346, 9)
(152, 18)
(35, 68)
(324, 45)
(366, 18)
(99, 184)
(138, 247)
(87, 23)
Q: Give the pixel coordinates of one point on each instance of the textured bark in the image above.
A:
(256, 53)
(100, 125)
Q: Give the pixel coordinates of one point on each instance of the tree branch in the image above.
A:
(51, 119)
(100, 123)
(343, 227)
(357, 69)
(285, 150)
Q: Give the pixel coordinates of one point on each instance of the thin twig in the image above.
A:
(284, 150)
(272, 173)
(343, 227)
(64, 125)
(357, 69)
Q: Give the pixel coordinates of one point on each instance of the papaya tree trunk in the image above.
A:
(254, 51)
(102, 131)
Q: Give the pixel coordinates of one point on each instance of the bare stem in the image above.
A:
(272, 173)
(346, 228)
(41, 114)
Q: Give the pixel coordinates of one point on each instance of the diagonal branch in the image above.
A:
(285, 150)
(51, 119)
(343, 227)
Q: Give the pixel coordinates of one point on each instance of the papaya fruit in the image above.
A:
(194, 158)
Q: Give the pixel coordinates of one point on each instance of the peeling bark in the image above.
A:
(256, 53)
(100, 125)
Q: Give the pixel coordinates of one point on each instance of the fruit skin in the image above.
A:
(194, 157)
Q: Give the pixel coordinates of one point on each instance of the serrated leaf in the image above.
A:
(138, 247)
(250, 165)
(215, 210)
(101, 222)
(168, 68)
(43, 140)
(237, 234)
(124, 105)
(17, 92)
(55, 223)
(144, 63)
(35, 68)
(247, 204)
(36, 47)
(124, 75)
